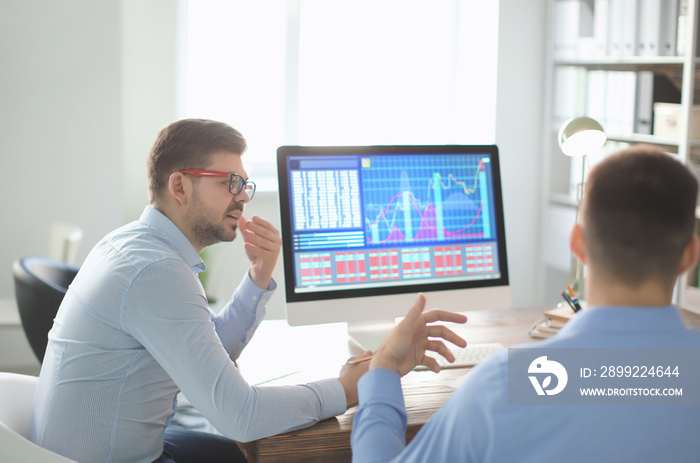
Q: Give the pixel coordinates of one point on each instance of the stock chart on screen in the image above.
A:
(411, 200)
(373, 218)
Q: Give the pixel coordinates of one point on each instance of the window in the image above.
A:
(332, 72)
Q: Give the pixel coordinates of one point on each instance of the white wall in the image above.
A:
(519, 116)
(520, 96)
(60, 123)
(86, 86)
(149, 64)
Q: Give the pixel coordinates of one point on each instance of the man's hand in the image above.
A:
(262, 245)
(406, 345)
(350, 375)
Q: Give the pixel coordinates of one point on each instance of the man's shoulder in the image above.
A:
(140, 244)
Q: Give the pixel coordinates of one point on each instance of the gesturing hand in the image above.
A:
(406, 345)
(262, 246)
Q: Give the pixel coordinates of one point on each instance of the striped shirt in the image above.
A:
(133, 330)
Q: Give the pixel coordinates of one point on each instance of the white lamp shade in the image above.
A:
(581, 135)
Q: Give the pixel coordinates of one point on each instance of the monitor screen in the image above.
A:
(362, 223)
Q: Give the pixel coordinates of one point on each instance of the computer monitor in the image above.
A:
(366, 228)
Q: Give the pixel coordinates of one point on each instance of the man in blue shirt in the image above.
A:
(636, 236)
(135, 328)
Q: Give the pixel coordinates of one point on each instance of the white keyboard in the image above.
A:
(467, 357)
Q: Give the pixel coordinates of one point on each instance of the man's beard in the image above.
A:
(205, 232)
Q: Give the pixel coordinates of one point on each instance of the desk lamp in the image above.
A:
(578, 137)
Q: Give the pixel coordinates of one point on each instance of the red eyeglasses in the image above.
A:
(236, 183)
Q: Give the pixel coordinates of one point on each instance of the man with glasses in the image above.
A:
(135, 328)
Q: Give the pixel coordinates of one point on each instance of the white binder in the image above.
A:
(650, 27)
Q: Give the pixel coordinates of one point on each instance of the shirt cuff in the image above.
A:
(251, 294)
(253, 299)
(381, 385)
(251, 288)
(332, 396)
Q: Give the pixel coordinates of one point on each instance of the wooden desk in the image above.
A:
(424, 392)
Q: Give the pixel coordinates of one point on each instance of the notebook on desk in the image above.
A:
(562, 313)
(554, 319)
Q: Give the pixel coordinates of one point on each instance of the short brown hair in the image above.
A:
(188, 144)
(638, 215)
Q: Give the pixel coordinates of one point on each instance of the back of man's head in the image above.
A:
(638, 215)
(188, 144)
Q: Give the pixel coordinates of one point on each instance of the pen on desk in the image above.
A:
(357, 360)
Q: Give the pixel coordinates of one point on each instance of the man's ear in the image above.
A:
(690, 255)
(178, 187)
(577, 244)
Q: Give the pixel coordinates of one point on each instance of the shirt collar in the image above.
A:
(156, 219)
(624, 319)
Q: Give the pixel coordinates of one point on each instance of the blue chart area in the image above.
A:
(426, 199)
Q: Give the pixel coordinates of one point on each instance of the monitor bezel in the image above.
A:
(283, 152)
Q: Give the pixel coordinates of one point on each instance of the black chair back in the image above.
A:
(40, 285)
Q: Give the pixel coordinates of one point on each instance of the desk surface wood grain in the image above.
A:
(424, 393)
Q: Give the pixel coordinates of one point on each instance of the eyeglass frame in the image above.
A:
(243, 184)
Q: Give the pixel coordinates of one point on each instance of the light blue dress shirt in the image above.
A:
(133, 330)
(478, 425)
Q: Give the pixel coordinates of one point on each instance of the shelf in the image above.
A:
(579, 83)
(643, 138)
(625, 63)
(651, 139)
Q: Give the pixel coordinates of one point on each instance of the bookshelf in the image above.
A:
(613, 60)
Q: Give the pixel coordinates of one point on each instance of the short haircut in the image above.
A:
(638, 215)
(188, 144)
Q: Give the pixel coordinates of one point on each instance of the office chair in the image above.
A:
(16, 399)
(40, 285)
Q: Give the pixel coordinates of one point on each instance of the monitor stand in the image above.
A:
(370, 335)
